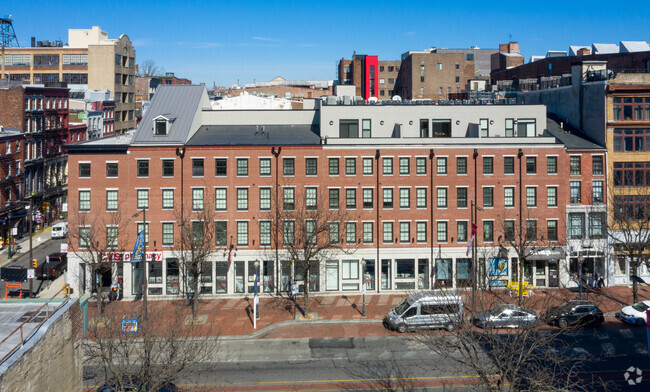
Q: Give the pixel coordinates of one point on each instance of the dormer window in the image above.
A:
(160, 127)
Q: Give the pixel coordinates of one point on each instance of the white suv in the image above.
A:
(60, 230)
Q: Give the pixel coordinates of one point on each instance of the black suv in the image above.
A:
(575, 313)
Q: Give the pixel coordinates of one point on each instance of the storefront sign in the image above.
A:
(125, 257)
(545, 253)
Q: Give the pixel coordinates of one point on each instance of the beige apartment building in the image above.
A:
(90, 58)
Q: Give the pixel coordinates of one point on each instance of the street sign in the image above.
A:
(363, 288)
(31, 273)
(64, 207)
(64, 248)
(130, 325)
(14, 231)
(46, 205)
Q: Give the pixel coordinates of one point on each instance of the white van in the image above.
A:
(60, 230)
(426, 309)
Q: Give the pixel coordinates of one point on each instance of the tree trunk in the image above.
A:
(195, 298)
(100, 303)
(305, 280)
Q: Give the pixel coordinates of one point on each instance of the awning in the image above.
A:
(14, 215)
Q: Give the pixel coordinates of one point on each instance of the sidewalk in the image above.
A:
(340, 315)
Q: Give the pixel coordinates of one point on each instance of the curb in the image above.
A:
(267, 330)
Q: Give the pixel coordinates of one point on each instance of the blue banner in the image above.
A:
(498, 267)
(138, 249)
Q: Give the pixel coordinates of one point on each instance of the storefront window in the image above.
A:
(268, 286)
(172, 276)
(463, 275)
(239, 276)
(155, 274)
(332, 277)
(350, 274)
(286, 276)
(369, 275)
(423, 273)
(385, 275)
(222, 277)
(443, 273)
(405, 269)
(206, 278)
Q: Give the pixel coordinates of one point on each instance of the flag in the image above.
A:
(255, 285)
(137, 255)
(230, 256)
(471, 240)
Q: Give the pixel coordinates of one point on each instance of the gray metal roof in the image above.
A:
(571, 137)
(181, 102)
(251, 135)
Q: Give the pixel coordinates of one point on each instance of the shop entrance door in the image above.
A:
(553, 280)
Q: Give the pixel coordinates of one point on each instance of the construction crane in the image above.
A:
(7, 40)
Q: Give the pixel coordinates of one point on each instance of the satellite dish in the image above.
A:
(372, 100)
(397, 98)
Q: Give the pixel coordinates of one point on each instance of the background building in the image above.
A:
(90, 58)
(428, 74)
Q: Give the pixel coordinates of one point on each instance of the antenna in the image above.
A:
(509, 37)
(7, 34)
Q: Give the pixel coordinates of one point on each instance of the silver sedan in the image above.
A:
(506, 316)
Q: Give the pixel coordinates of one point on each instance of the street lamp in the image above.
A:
(474, 217)
(363, 286)
(144, 282)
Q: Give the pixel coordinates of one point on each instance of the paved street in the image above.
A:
(42, 245)
(388, 363)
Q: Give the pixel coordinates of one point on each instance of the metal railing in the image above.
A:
(20, 329)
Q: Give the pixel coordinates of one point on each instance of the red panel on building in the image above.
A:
(371, 76)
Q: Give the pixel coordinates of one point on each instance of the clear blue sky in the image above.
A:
(224, 42)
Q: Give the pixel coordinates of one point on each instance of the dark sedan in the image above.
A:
(575, 314)
(506, 316)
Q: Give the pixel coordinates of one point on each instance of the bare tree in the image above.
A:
(520, 359)
(524, 237)
(95, 239)
(194, 247)
(150, 68)
(629, 227)
(131, 350)
(307, 230)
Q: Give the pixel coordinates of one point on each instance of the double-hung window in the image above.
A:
(143, 198)
(111, 200)
(220, 199)
(242, 199)
(197, 199)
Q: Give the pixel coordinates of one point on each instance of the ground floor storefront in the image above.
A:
(396, 270)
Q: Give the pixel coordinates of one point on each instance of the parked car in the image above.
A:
(635, 314)
(60, 230)
(426, 309)
(505, 316)
(134, 387)
(53, 266)
(575, 313)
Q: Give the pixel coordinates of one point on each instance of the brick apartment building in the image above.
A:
(145, 86)
(41, 113)
(428, 74)
(407, 175)
(11, 180)
(611, 106)
(90, 58)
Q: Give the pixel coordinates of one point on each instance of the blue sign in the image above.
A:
(498, 267)
(130, 325)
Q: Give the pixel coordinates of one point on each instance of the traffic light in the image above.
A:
(34, 263)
